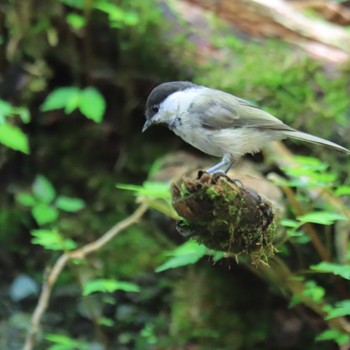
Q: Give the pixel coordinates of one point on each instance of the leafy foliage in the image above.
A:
(74, 43)
(14, 138)
(89, 101)
(149, 189)
(63, 342)
(10, 135)
(321, 217)
(341, 308)
(341, 338)
(155, 194)
(108, 286)
(69, 204)
(51, 239)
(43, 189)
(44, 204)
(334, 268)
(186, 254)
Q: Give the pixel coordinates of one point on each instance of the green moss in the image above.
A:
(223, 216)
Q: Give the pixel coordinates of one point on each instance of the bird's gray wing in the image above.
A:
(218, 110)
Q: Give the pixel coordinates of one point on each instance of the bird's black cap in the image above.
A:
(161, 92)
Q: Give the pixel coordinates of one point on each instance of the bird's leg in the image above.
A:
(226, 163)
(215, 169)
(229, 166)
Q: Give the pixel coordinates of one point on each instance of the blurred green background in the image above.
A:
(74, 78)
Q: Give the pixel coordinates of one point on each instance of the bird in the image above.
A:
(219, 123)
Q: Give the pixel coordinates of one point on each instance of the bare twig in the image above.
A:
(52, 274)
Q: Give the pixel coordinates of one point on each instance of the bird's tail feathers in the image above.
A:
(316, 140)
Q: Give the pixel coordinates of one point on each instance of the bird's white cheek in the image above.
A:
(165, 117)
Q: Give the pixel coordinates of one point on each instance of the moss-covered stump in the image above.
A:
(224, 215)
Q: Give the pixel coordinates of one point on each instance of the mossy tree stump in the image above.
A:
(224, 215)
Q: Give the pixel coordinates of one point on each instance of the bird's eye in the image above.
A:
(155, 109)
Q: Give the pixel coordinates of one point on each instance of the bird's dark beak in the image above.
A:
(147, 125)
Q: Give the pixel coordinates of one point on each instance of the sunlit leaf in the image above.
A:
(52, 240)
(23, 113)
(43, 189)
(321, 217)
(149, 189)
(69, 204)
(92, 104)
(186, 254)
(311, 163)
(341, 308)
(44, 214)
(73, 102)
(337, 269)
(342, 191)
(64, 97)
(108, 286)
(314, 291)
(131, 18)
(114, 12)
(290, 223)
(5, 109)
(14, 138)
(63, 342)
(341, 338)
(26, 199)
(107, 322)
(75, 21)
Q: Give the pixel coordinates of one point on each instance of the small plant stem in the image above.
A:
(320, 248)
(53, 274)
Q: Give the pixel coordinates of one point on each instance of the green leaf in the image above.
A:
(341, 338)
(337, 269)
(342, 191)
(75, 21)
(108, 286)
(149, 189)
(63, 342)
(44, 214)
(290, 223)
(321, 217)
(52, 240)
(14, 138)
(26, 199)
(186, 254)
(107, 322)
(5, 109)
(117, 16)
(314, 291)
(218, 255)
(22, 112)
(341, 308)
(65, 97)
(92, 104)
(115, 13)
(311, 163)
(43, 189)
(69, 204)
(79, 4)
(131, 18)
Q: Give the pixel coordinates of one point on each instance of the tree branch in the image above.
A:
(52, 274)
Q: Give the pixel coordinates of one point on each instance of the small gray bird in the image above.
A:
(218, 123)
